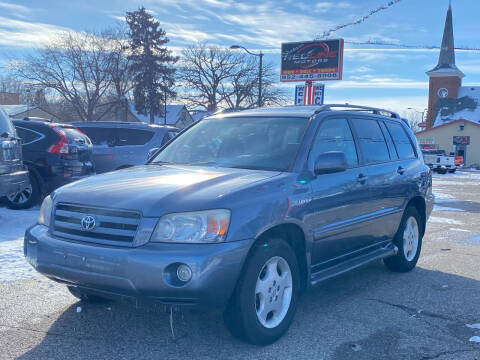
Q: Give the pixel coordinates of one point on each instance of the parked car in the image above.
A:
(243, 211)
(118, 145)
(439, 161)
(13, 175)
(55, 154)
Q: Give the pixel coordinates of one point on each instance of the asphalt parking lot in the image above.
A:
(432, 312)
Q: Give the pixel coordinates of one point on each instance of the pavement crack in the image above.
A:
(414, 312)
(450, 352)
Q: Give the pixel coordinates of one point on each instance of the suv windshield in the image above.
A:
(6, 125)
(252, 143)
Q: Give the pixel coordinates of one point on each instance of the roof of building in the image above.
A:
(199, 115)
(173, 112)
(465, 107)
(446, 61)
(13, 110)
(447, 124)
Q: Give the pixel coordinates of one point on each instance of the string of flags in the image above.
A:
(358, 21)
(384, 43)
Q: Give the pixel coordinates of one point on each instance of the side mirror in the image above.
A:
(330, 162)
(151, 152)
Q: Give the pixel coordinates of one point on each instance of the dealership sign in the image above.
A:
(310, 95)
(312, 60)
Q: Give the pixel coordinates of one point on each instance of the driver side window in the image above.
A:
(334, 135)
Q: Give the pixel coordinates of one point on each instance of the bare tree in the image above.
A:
(414, 118)
(215, 78)
(244, 86)
(83, 68)
(204, 72)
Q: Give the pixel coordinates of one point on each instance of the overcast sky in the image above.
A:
(384, 76)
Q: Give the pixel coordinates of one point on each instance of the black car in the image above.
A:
(55, 154)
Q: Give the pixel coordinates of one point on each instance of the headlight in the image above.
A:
(209, 226)
(45, 212)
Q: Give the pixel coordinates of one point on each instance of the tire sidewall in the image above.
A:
(253, 330)
(409, 212)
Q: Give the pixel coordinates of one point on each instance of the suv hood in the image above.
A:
(158, 189)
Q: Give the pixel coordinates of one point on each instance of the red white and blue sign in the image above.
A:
(310, 95)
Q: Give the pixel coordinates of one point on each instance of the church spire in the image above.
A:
(446, 60)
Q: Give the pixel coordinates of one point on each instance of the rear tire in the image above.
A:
(264, 302)
(442, 171)
(26, 198)
(409, 242)
(85, 297)
(452, 171)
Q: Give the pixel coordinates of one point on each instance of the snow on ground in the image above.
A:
(445, 208)
(13, 224)
(443, 220)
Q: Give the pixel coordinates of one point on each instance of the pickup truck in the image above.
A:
(439, 162)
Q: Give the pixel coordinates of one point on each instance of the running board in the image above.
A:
(347, 265)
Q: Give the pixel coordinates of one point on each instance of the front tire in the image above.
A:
(263, 305)
(409, 242)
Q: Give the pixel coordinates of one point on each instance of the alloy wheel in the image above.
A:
(410, 238)
(21, 197)
(273, 292)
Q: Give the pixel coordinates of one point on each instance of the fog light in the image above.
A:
(184, 273)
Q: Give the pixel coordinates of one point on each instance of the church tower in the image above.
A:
(444, 79)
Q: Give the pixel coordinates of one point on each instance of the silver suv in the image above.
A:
(119, 145)
(13, 176)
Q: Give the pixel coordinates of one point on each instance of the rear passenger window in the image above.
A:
(100, 136)
(133, 137)
(371, 141)
(388, 139)
(402, 142)
(334, 135)
(27, 136)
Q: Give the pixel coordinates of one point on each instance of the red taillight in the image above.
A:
(61, 146)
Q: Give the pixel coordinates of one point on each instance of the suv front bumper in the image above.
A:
(144, 273)
(11, 183)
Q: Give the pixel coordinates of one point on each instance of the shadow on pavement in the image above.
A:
(367, 314)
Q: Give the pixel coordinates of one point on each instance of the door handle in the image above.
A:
(401, 170)
(362, 178)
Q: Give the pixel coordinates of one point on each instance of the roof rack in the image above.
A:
(34, 118)
(349, 107)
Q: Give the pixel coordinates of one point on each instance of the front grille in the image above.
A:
(112, 226)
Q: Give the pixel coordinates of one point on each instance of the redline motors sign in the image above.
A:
(312, 60)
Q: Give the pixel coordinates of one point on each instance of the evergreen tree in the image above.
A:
(151, 64)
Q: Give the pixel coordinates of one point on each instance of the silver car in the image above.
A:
(119, 145)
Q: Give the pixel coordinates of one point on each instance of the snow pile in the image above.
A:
(13, 224)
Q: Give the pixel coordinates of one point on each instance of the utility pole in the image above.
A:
(260, 69)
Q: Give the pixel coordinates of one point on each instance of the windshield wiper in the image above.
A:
(205, 163)
(159, 163)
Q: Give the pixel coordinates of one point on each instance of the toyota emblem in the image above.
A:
(88, 223)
